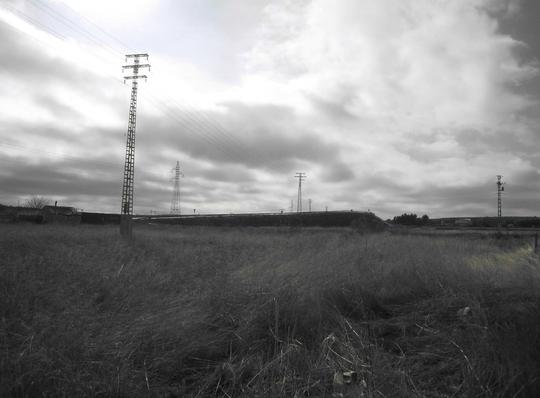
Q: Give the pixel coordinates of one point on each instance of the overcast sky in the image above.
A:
(389, 105)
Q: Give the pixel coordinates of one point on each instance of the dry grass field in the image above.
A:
(202, 312)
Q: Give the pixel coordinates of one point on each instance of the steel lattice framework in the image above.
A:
(500, 189)
(175, 202)
(301, 177)
(126, 210)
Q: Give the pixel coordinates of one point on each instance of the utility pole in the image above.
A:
(301, 177)
(175, 202)
(126, 210)
(500, 189)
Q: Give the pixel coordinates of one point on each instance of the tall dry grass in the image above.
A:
(200, 312)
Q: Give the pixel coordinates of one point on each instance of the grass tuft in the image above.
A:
(202, 312)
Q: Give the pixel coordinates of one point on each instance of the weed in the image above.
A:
(198, 312)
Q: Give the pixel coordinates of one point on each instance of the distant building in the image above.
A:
(28, 214)
(61, 214)
(60, 210)
(463, 222)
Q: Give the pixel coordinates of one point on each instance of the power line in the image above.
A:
(34, 23)
(73, 26)
(198, 118)
(207, 129)
(203, 121)
(220, 141)
(57, 155)
(122, 44)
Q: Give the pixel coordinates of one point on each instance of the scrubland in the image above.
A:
(201, 312)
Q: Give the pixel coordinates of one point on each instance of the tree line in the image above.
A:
(411, 219)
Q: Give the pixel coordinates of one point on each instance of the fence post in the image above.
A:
(536, 242)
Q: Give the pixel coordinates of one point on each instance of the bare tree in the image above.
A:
(36, 202)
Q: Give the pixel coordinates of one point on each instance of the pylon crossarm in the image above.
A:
(126, 208)
(135, 77)
(137, 55)
(136, 66)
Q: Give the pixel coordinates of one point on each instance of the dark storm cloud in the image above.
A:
(478, 200)
(474, 141)
(59, 109)
(87, 147)
(245, 189)
(90, 183)
(438, 201)
(438, 144)
(453, 196)
(56, 179)
(375, 185)
(387, 182)
(194, 193)
(424, 154)
(16, 130)
(520, 191)
(24, 58)
(466, 143)
(203, 185)
(229, 174)
(392, 194)
(247, 154)
(260, 137)
(519, 20)
(526, 179)
(337, 172)
(334, 110)
(275, 135)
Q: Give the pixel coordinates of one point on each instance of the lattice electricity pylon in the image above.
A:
(126, 210)
(500, 190)
(175, 202)
(301, 177)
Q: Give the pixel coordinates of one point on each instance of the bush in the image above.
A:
(411, 219)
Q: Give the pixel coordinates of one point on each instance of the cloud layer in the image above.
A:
(407, 106)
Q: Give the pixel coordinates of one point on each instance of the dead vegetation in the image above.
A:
(199, 312)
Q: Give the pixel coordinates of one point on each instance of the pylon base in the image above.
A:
(126, 226)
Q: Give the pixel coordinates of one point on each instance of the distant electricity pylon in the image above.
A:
(129, 163)
(301, 177)
(309, 202)
(175, 202)
(500, 189)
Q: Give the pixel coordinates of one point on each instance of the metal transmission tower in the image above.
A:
(175, 202)
(500, 189)
(126, 210)
(301, 177)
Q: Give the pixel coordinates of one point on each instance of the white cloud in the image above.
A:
(112, 11)
(400, 67)
(373, 99)
(439, 60)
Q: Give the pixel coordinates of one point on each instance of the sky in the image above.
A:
(391, 106)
